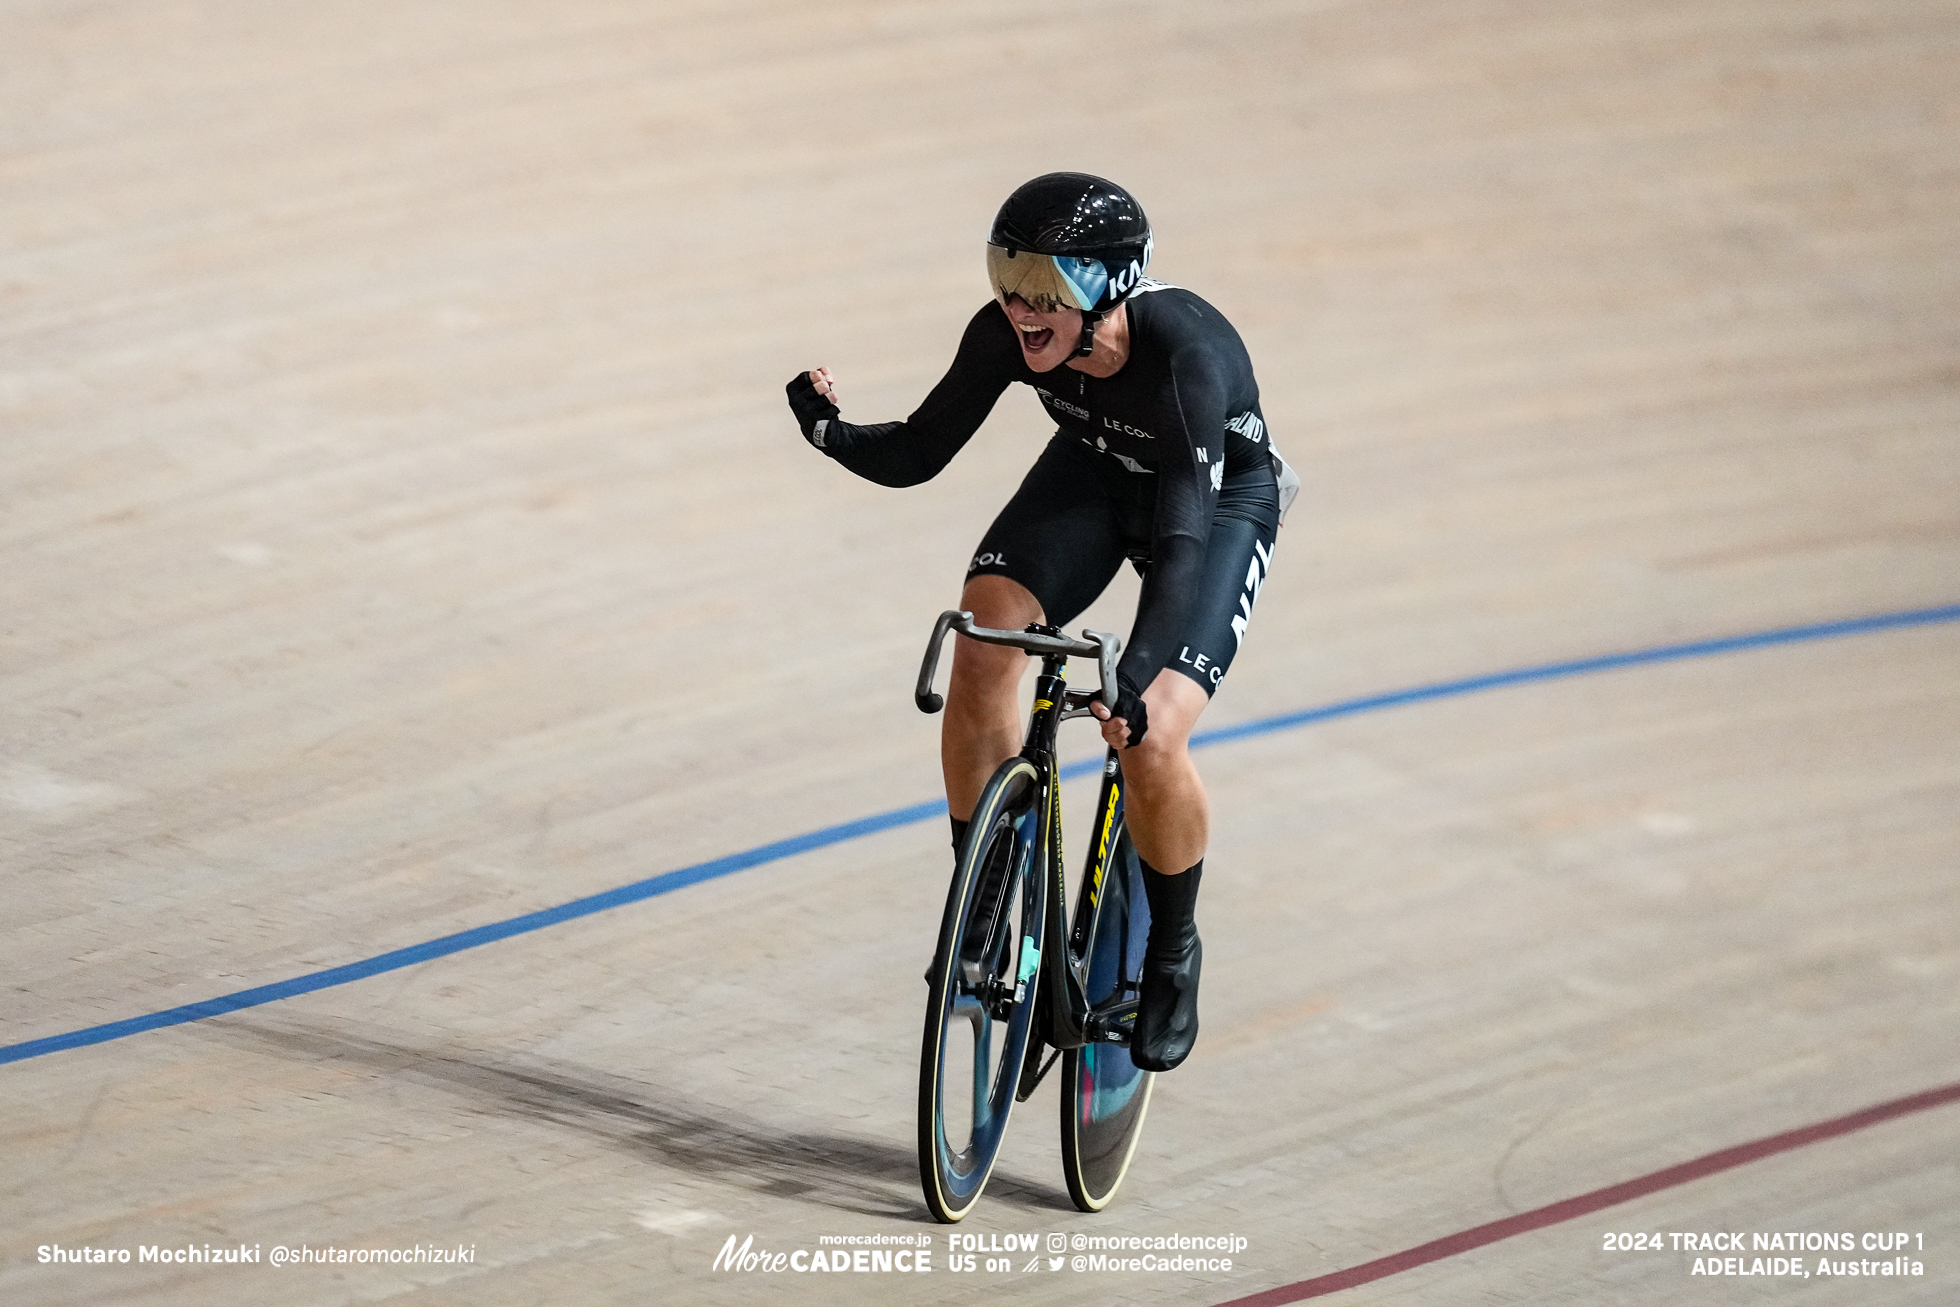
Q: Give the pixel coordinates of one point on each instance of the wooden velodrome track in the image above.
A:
(403, 532)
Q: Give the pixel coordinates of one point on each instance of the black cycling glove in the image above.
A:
(1129, 706)
(812, 410)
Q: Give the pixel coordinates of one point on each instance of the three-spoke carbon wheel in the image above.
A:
(1104, 1094)
(984, 979)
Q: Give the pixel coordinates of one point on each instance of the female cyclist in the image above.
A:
(1160, 455)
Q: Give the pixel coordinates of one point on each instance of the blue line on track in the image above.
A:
(918, 812)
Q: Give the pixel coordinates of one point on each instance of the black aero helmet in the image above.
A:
(1069, 240)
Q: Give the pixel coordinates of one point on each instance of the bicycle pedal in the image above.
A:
(1113, 1023)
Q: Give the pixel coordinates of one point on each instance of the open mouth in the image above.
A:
(1036, 340)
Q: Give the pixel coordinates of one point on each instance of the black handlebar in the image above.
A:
(1100, 645)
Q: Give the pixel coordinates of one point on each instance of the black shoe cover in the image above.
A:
(1167, 1011)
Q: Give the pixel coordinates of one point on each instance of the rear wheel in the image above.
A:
(1104, 1094)
(984, 980)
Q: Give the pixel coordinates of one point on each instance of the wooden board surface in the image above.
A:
(402, 531)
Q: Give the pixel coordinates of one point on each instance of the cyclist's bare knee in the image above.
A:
(1170, 815)
(1175, 703)
(1004, 605)
(1000, 602)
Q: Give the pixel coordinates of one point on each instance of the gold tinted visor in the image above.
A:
(1047, 282)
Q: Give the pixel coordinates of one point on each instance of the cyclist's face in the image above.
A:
(1048, 340)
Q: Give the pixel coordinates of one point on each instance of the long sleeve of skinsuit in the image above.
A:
(919, 448)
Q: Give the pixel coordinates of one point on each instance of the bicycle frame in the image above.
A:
(1071, 1022)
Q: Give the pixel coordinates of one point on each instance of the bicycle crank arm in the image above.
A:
(1030, 1078)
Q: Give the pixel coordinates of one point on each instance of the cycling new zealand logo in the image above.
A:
(1060, 405)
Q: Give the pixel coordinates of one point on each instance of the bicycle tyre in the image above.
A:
(985, 954)
(1105, 1096)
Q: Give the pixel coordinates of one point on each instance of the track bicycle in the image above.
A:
(1008, 978)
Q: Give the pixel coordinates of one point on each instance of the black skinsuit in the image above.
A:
(1166, 462)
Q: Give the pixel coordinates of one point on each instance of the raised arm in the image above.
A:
(917, 449)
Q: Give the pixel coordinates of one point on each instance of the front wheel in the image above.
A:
(984, 981)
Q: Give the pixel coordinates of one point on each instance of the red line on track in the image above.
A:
(1584, 1204)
